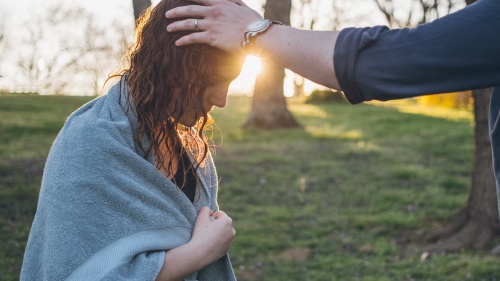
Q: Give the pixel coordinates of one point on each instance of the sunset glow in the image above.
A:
(245, 82)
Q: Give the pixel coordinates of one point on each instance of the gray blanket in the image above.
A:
(105, 212)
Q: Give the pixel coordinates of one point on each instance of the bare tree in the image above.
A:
(2, 38)
(96, 54)
(306, 15)
(3, 35)
(322, 14)
(140, 6)
(269, 108)
(73, 57)
(2, 30)
(478, 223)
(32, 64)
(418, 11)
(318, 14)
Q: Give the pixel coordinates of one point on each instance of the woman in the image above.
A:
(129, 187)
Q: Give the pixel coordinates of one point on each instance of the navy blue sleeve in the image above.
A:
(458, 52)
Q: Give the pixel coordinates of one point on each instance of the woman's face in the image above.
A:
(215, 94)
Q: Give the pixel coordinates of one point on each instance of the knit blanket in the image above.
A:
(104, 211)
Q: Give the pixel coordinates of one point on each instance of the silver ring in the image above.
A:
(196, 25)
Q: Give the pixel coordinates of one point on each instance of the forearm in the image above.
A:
(308, 53)
(179, 263)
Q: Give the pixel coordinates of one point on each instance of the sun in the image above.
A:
(252, 66)
(244, 83)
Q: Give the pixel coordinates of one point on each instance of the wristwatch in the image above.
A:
(255, 28)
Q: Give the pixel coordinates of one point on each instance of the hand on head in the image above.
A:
(220, 23)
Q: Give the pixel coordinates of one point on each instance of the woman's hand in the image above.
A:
(221, 23)
(212, 235)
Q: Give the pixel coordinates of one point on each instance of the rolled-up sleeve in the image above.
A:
(458, 52)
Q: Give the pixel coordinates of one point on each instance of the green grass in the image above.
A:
(28, 126)
(342, 198)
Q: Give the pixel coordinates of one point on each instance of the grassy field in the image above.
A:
(345, 197)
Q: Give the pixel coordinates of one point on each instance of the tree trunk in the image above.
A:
(298, 86)
(478, 223)
(269, 109)
(140, 6)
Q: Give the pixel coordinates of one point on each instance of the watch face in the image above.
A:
(258, 25)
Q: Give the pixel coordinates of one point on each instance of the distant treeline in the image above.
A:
(459, 100)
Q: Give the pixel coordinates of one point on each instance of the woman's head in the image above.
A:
(172, 85)
(180, 74)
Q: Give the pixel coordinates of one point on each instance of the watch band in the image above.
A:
(250, 33)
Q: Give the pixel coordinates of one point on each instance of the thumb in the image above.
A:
(204, 214)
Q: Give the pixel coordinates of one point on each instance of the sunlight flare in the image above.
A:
(245, 82)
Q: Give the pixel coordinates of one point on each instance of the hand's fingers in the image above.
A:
(204, 213)
(203, 2)
(186, 25)
(188, 12)
(223, 217)
(219, 214)
(197, 11)
(239, 2)
(193, 38)
(213, 2)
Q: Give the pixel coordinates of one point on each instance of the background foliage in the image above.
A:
(461, 100)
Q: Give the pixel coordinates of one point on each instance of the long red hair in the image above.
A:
(160, 74)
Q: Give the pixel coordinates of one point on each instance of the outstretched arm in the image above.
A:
(222, 24)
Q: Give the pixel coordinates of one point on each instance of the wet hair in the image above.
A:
(161, 75)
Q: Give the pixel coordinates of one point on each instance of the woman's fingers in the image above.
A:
(204, 215)
(194, 38)
(226, 221)
(187, 12)
(219, 214)
(239, 2)
(186, 25)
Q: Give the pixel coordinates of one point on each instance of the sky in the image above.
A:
(21, 10)
(15, 15)
(18, 11)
